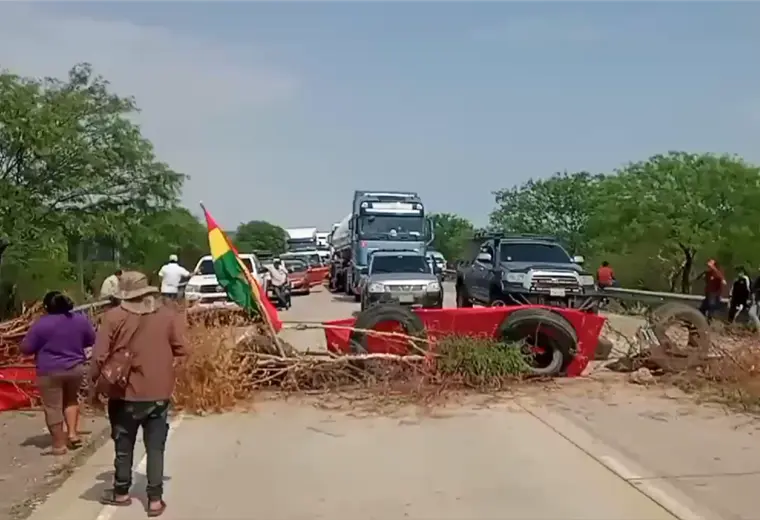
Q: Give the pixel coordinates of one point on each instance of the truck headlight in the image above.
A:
(376, 287)
(587, 280)
(433, 287)
(515, 277)
(192, 288)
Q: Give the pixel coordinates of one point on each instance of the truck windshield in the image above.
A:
(533, 253)
(299, 244)
(207, 266)
(406, 227)
(399, 264)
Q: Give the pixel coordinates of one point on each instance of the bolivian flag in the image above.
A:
(232, 274)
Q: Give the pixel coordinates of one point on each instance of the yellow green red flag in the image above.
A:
(232, 274)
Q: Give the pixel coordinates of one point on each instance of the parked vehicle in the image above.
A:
(298, 275)
(378, 220)
(318, 269)
(203, 288)
(524, 269)
(402, 277)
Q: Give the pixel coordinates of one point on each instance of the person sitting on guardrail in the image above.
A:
(110, 286)
(739, 295)
(714, 282)
(605, 276)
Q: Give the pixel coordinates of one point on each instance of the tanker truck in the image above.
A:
(379, 220)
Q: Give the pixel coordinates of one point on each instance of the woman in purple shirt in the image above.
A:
(58, 341)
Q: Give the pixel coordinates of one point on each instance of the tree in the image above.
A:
(259, 235)
(684, 203)
(558, 206)
(74, 167)
(452, 233)
(73, 163)
(167, 232)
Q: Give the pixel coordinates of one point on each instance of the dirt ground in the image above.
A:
(27, 469)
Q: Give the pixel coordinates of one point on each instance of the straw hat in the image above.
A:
(133, 287)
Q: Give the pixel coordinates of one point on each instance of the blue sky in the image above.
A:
(296, 105)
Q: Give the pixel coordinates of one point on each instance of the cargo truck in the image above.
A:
(386, 220)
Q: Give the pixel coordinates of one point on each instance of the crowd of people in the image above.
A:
(743, 295)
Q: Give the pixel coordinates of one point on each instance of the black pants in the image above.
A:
(733, 308)
(710, 305)
(126, 418)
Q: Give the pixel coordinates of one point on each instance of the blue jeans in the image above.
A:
(710, 305)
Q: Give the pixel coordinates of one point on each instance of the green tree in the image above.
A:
(682, 204)
(73, 165)
(559, 206)
(452, 233)
(163, 233)
(259, 235)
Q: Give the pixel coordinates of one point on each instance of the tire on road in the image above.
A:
(368, 319)
(664, 316)
(545, 328)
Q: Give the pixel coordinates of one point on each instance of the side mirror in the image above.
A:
(577, 259)
(484, 257)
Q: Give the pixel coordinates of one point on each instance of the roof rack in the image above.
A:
(501, 235)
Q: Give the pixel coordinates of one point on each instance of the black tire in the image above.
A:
(562, 345)
(699, 328)
(369, 318)
(463, 300)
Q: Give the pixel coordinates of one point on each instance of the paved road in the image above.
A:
(293, 460)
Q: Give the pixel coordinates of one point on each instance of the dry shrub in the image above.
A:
(732, 375)
(217, 373)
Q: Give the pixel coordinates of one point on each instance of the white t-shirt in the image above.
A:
(110, 286)
(171, 275)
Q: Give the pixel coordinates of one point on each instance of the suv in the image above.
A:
(524, 269)
(203, 287)
(402, 277)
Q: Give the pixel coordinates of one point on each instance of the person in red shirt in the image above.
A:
(605, 276)
(714, 282)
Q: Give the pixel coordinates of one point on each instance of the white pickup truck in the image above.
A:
(204, 289)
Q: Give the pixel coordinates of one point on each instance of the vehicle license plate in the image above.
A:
(557, 292)
(406, 298)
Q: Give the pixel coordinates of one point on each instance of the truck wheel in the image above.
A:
(669, 314)
(545, 329)
(463, 300)
(368, 319)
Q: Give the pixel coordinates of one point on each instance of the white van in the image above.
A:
(204, 289)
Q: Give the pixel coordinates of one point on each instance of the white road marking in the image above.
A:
(108, 511)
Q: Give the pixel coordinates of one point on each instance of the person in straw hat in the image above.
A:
(133, 361)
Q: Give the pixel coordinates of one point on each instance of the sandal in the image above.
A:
(74, 444)
(109, 499)
(153, 513)
(59, 451)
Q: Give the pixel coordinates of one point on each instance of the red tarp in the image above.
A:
(18, 388)
(475, 321)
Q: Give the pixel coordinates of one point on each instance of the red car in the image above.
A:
(298, 276)
(317, 270)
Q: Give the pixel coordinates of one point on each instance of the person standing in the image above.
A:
(714, 282)
(278, 277)
(133, 362)
(172, 274)
(110, 285)
(739, 295)
(58, 341)
(605, 276)
(754, 306)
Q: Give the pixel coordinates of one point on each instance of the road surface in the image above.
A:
(292, 460)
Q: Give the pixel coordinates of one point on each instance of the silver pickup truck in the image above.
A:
(402, 277)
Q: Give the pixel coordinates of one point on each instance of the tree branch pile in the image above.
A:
(228, 364)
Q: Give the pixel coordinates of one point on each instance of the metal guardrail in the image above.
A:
(621, 293)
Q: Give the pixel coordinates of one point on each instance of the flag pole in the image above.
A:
(256, 290)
